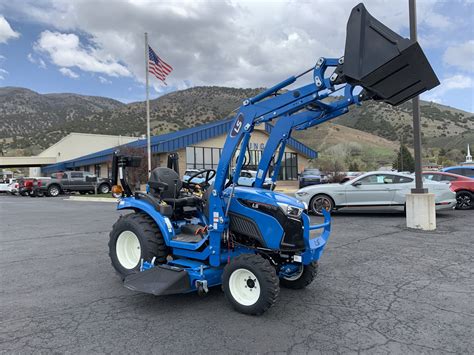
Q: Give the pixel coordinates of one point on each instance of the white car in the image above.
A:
(248, 177)
(5, 185)
(373, 190)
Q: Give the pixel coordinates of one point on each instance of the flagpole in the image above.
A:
(148, 145)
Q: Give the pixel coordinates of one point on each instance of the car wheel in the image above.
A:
(104, 189)
(464, 200)
(53, 191)
(320, 202)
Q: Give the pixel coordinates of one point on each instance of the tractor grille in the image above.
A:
(293, 238)
(244, 225)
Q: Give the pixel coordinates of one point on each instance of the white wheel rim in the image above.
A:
(128, 249)
(244, 287)
(295, 276)
(54, 191)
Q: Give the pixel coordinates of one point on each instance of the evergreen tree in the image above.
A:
(404, 160)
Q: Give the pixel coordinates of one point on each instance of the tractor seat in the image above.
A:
(186, 201)
(165, 184)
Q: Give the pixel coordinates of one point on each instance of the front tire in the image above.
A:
(320, 201)
(464, 200)
(303, 279)
(54, 191)
(250, 284)
(135, 237)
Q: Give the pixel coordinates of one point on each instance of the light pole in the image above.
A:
(416, 113)
(420, 205)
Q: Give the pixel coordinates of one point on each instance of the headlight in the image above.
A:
(291, 211)
(301, 193)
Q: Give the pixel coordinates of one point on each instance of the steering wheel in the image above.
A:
(209, 175)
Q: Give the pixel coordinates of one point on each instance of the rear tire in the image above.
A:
(302, 280)
(104, 189)
(464, 200)
(135, 237)
(250, 284)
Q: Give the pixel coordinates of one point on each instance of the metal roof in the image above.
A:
(171, 142)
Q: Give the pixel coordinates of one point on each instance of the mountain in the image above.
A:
(395, 123)
(30, 122)
(28, 118)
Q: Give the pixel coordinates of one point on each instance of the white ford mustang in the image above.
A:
(377, 189)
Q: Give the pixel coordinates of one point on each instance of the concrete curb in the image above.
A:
(91, 199)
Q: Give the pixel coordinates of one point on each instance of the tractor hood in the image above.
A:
(264, 196)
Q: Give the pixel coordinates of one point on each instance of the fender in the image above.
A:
(130, 203)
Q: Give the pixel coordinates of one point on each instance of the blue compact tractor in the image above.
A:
(182, 237)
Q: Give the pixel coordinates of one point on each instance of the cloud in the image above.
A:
(229, 43)
(6, 32)
(2, 72)
(40, 62)
(104, 80)
(65, 50)
(69, 73)
(233, 43)
(460, 56)
(454, 82)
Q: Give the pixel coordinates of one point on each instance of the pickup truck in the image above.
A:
(74, 181)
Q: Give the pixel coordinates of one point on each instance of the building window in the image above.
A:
(97, 170)
(202, 157)
(289, 167)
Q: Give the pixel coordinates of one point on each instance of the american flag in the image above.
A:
(157, 66)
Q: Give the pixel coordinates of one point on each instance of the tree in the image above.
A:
(404, 160)
(353, 166)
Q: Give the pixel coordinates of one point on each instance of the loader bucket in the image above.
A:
(392, 68)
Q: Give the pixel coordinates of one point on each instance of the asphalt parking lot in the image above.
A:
(381, 289)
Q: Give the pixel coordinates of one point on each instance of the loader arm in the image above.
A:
(385, 66)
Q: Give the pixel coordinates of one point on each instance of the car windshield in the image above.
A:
(311, 172)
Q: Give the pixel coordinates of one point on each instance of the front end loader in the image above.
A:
(188, 236)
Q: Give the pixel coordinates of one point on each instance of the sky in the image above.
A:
(96, 47)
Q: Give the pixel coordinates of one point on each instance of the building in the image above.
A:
(198, 148)
(75, 145)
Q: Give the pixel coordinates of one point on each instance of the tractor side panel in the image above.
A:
(269, 229)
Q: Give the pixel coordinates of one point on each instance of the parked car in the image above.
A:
(248, 177)
(466, 170)
(13, 187)
(463, 187)
(4, 184)
(74, 181)
(25, 186)
(311, 177)
(381, 190)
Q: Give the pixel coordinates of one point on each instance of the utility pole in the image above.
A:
(416, 113)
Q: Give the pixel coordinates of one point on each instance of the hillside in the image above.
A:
(393, 123)
(30, 122)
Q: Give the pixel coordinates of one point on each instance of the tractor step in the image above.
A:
(188, 238)
(190, 233)
(159, 280)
